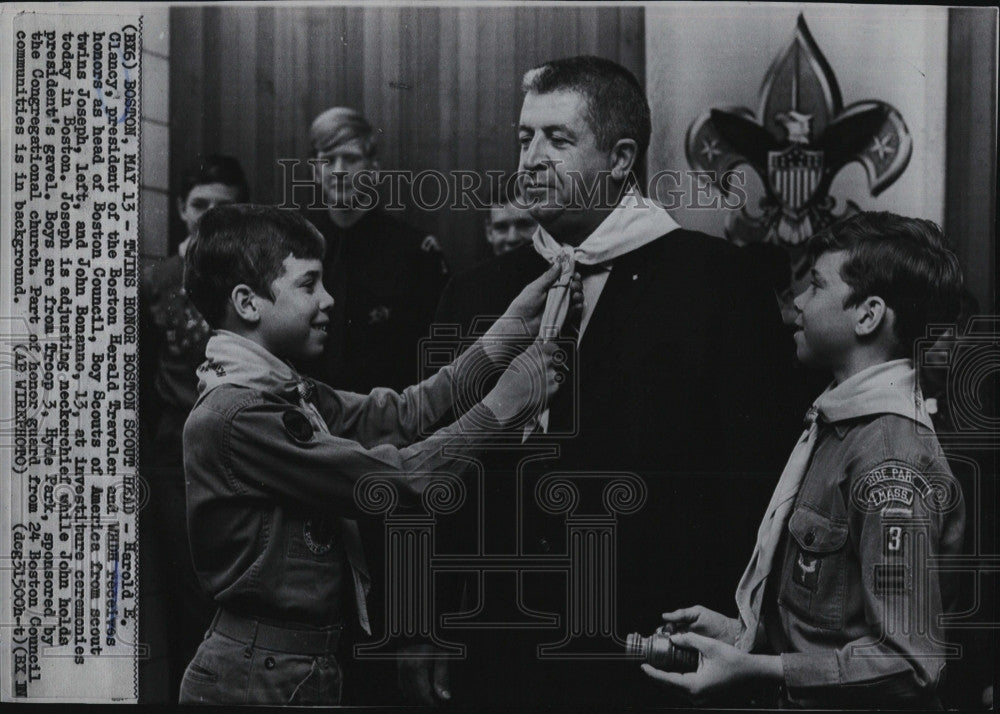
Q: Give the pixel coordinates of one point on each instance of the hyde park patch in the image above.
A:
(890, 485)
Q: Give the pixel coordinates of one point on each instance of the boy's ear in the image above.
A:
(244, 302)
(870, 316)
(180, 207)
(623, 158)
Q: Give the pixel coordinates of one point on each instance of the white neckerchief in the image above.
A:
(634, 222)
(887, 388)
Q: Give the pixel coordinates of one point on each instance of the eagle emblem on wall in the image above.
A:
(800, 138)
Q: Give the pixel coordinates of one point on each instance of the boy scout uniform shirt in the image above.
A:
(264, 487)
(856, 609)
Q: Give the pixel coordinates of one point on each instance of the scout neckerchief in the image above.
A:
(232, 359)
(634, 222)
(887, 388)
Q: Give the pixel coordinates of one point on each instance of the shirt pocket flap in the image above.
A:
(816, 533)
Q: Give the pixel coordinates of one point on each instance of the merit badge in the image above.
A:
(318, 536)
(297, 426)
(806, 571)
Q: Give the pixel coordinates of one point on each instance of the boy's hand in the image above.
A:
(702, 621)
(423, 676)
(527, 385)
(523, 317)
(720, 668)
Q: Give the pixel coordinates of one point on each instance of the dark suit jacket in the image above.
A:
(676, 381)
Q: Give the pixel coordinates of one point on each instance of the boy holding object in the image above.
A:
(839, 605)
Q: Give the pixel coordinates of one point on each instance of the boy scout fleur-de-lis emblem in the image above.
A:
(799, 140)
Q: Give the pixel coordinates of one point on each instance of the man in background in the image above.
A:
(509, 225)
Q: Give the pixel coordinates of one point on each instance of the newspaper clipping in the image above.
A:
(617, 513)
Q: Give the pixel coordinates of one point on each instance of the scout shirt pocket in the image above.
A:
(312, 538)
(814, 579)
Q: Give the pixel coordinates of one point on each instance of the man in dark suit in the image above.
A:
(674, 381)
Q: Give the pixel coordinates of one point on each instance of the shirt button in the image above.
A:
(269, 663)
(810, 538)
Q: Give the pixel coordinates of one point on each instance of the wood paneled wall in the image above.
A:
(442, 84)
(971, 172)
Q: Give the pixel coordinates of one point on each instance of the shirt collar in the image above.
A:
(234, 359)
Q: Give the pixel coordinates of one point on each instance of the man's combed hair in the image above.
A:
(244, 244)
(216, 168)
(616, 105)
(902, 260)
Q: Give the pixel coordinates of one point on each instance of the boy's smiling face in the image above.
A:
(294, 325)
(826, 329)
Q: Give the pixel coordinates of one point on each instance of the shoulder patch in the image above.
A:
(888, 485)
(894, 485)
(297, 426)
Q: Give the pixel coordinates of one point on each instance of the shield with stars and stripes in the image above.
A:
(794, 174)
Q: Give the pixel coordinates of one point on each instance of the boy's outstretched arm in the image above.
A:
(266, 438)
(399, 419)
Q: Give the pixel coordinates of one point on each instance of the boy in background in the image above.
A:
(272, 459)
(172, 345)
(838, 607)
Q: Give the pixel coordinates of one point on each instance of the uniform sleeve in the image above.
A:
(273, 447)
(400, 418)
(900, 518)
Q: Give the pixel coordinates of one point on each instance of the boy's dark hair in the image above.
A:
(903, 261)
(244, 244)
(216, 168)
(616, 105)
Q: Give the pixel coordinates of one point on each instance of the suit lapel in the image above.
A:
(626, 285)
(622, 294)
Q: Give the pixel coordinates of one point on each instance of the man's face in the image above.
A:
(294, 325)
(825, 335)
(509, 227)
(203, 197)
(560, 162)
(343, 163)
